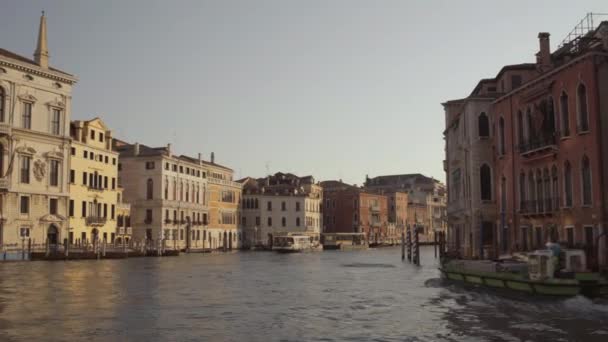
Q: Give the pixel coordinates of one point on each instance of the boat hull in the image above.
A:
(555, 287)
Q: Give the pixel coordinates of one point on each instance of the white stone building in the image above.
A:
(35, 110)
(281, 203)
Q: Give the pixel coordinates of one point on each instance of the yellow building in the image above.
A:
(93, 184)
(224, 204)
(124, 231)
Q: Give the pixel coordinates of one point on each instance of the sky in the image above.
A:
(336, 89)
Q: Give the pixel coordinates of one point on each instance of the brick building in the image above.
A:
(549, 139)
(349, 209)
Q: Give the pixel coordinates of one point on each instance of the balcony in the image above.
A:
(95, 221)
(121, 230)
(4, 183)
(95, 188)
(541, 207)
(374, 207)
(539, 145)
(168, 221)
(129, 230)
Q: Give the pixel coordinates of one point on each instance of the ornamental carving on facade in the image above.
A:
(39, 169)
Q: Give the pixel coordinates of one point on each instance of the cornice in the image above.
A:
(54, 75)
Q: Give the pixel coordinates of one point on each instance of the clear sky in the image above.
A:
(337, 89)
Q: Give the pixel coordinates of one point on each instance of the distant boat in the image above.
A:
(295, 243)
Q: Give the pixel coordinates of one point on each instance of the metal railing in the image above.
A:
(539, 143)
(587, 24)
(540, 206)
(95, 220)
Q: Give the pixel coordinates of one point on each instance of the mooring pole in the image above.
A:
(402, 245)
(416, 247)
(409, 244)
(436, 242)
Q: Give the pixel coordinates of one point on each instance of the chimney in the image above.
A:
(200, 159)
(212, 158)
(136, 149)
(41, 55)
(169, 149)
(543, 57)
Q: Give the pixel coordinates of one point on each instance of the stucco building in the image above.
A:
(35, 110)
(426, 200)
(280, 203)
(93, 184)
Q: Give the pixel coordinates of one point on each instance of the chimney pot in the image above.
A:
(543, 57)
(200, 158)
(169, 149)
(212, 157)
(136, 149)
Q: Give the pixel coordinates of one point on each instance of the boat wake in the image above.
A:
(367, 265)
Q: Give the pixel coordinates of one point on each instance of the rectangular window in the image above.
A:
(85, 154)
(113, 183)
(84, 209)
(269, 206)
(92, 156)
(181, 169)
(73, 151)
(105, 210)
(53, 206)
(71, 209)
(100, 137)
(228, 196)
(54, 174)
(113, 161)
(105, 182)
(92, 134)
(297, 206)
(113, 212)
(150, 165)
(106, 159)
(148, 215)
(27, 115)
(167, 167)
(84, 178)
(25, 205)
(258, 222)
(72, 176)
(25, 169)
(174, 168)
(56, 122)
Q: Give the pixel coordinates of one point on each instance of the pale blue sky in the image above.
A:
(337, 89)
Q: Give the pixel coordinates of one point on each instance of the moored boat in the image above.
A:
(540, 274)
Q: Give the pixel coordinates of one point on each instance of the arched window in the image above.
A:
(567, 184)
(554, 188)
(503, 194)
(586, 176)
(547, 189)
(485, 177)
(2, 103)
(483, 125)
(501, 136)
(583, 114)
(549, 122)
(166, 189)
(531, 193)
(522, 191)
(149, 189)
(565, 114)
(520, 127)
(540, 195)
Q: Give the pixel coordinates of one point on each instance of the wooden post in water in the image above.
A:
(22, 248)
(402, 245)
(47, 247)
(416, 247)
(436, 242)
(103, 250)
(409, 244)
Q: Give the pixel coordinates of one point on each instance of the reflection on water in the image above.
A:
(331, 296)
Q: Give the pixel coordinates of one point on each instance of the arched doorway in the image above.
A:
(94, 235)
(52, 235)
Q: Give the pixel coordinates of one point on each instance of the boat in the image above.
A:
(295, 243)
(540, 272)
(344, 241)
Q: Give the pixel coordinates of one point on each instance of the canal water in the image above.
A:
(262, 296)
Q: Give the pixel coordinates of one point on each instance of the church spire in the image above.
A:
(41, 55)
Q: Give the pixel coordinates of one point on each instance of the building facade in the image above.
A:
(426, 200)
(169, 197)
(546, 180)
(548, 150)
(35, 110)
(350, 209)
(93, 184)
(278, 204)
(225, 194)
(469, 164)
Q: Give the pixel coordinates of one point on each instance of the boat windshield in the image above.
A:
(283, 241)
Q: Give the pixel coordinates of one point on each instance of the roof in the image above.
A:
(126, 150)
(22, 59)
(336, 184)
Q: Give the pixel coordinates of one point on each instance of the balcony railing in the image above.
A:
(374, 207)
(96, 188)
(95, 220)
(4, 183)
(168, 221)
(539, 144)
(545, 206)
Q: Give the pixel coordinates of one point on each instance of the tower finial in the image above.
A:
(41, 55)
